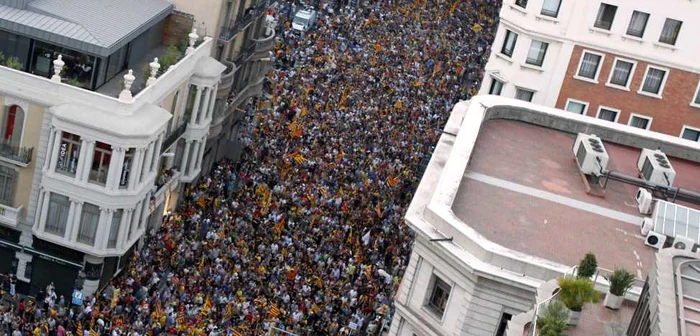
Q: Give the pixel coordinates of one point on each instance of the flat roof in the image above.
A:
(97, 27)
(522, 189)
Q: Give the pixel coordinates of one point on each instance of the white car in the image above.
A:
(304, 20)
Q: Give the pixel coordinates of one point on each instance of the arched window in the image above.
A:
(12, 123)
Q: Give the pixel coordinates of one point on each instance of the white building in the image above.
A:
(502, 211)
(625, 61)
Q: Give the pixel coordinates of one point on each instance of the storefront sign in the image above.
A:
(51, 259)
(62, 155)
(92, 271)
(125, 173)
(58, 250)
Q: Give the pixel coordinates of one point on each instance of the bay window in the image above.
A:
(114, 228)
(57, 216)
(68, 153)
(100, 163)
(88, 224)
(126, 168)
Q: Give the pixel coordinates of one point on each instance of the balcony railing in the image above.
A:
(234, 26)
(174, 136)
(20, 155)
(265, 43)
(227, 77)
(245, 54)
(9, 215)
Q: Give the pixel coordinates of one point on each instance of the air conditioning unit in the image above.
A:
(644, 201)
(647, 225)
(655, 240)
(590, 154)
(683, 243)
(655, 167)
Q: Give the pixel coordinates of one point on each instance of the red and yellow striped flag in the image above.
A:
(454, 6)
(392, 181)
(274, 311)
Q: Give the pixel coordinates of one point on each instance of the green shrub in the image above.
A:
(620, 281)
(588, 265)
(171, 57)
(554, 319)
(14, 63)
(576, 292)
(2, 58)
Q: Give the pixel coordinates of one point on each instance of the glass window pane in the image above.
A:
(621, 74)
(608, 115)
(589, 65)
(68, 153)
(638, 24)
(691, 134)
(551, 8)
(639, 122)
(670, 31)
(576, 107)
(653, 81)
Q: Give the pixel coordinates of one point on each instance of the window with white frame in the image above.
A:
(576, 106)
(638, 24)
(605, 17)
(496, 87)
(114, 228)
(126, 168)
(551, 8)
(654, 80)
(521, 3)
(690, 133)
(503, 324)
(670, 31)
(88, 224)
(640, 121)
(68, 154)
(535, 55)
(100, 163)
(622, 73)
(524, 94)
(57, 216)
(439, 294)
(696, 100)
(509, 43)
(590, 65)
(608, 114)
(8, 182)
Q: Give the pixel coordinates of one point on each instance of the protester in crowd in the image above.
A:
(306, 232)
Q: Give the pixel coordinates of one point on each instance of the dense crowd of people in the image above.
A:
(306, 232)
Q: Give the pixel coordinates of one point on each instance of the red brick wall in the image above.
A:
(669, 113)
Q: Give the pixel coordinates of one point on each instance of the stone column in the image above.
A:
(204, 114)
(123, 229)
(93, 272)
(212, 103)
(43, 206)
(103, 227)
(54, 151)
(185, 157)
(193, 159)
(114, 167)
(135, 168)
(50, 146)
(195, 108)
(128, 227)
(147, 204)
(135, 219)
(146, 170)
(156, 153)
(23, 258)
(87, 148)
(202, 147)
(74, 215)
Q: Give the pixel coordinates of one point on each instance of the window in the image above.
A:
(590, 65)
(503, 324)
(622, 72)
(100, 163)
(669, 33)
(57, 217)
(439, 295)
(551, 8)
(608, 114)
(606, 15)
(8, 181)
(654, 81)
(690, 134)
(68, 154)
(88, 224)
(696, 100)
(640, 121)
(535, 55)
(496, 87)
(11, 130)
(575, 106)
(521, 3)
(509, 43)
(524, 94)
(126, 168)
(638, 23)
(114, 228)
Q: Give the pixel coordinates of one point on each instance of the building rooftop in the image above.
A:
(98, 27)
(522, 189)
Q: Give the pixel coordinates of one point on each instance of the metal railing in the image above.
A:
(174, 136)
(16, 153)
(234, 26)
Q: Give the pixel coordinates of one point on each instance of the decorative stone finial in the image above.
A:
(193, 38)
(129, 79)
(155, 65)
(57, 68)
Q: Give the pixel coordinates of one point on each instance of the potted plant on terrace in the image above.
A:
(621, 280)
(553, 320)
(575, 293)
(587, 266)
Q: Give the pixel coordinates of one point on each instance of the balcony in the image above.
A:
(227, 79)
(20, 156)
(245, 54)
(174, 136)
(263, 46)
(230, 30)
(9, 215)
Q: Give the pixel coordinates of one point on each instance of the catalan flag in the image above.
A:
(323, 191)
(298, 158)
(368, 271)
(274, 311)
(93, 333)
(229, 311)
(392, 181)
(237, 333)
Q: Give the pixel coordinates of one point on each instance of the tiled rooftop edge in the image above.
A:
(473, 248)
(44, 91)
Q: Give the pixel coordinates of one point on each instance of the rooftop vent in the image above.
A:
(655, 167)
